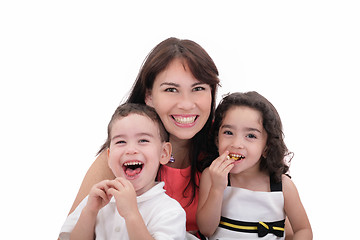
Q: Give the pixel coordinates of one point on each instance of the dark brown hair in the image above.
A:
(201, 66)
(140, 109)
(274, 162)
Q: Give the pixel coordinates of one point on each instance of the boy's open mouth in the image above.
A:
(236, 157)
(132, 168)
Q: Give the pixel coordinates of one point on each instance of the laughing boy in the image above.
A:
(133, 205)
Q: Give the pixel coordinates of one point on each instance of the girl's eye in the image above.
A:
(170, 90)
(227, 132)
(120, 142)
(250, 135)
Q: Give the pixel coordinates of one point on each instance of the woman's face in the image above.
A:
(182, 101)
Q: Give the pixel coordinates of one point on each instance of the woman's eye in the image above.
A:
(196, 89)
(170, 90)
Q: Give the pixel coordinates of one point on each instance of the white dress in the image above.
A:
(244, 213)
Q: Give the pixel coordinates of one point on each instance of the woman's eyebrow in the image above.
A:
(177, 85)
(169, 84)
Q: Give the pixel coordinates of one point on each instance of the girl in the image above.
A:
(179, 79)
(245, 192)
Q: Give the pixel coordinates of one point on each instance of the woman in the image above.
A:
(179, 79)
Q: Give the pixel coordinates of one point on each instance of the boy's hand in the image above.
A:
(219, 170)
(125, 196)
(98, 196)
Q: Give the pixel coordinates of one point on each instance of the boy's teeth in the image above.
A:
(132, 163)
(185, 120)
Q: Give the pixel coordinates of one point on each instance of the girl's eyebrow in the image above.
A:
(250, 129)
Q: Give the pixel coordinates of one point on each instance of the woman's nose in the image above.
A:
(186, 102)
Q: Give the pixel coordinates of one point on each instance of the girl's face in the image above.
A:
(243, 135)
(182, 101)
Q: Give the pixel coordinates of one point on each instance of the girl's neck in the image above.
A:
(251, 180)
(180, 152)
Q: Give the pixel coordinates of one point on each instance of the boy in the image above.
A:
(132, 206)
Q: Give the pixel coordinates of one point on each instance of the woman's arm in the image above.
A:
(97, 172)
(295, 211)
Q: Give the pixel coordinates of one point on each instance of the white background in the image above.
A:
(66, 65)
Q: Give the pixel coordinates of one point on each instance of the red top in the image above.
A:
(176, 181)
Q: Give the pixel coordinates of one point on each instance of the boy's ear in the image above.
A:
(148, 98)
(166, 153)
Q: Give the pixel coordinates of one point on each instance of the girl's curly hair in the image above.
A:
(274, 162)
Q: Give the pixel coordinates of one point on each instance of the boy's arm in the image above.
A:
(85, 227)
(126, 203)
(295, 211)
(97, 172)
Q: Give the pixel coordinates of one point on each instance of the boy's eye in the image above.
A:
(170, 90)
(144, 141)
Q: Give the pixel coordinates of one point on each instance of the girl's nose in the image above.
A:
(237, 143)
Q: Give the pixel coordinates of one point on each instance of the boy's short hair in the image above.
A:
(133, 108)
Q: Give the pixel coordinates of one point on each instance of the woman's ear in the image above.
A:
(148, 98)
(166, 153)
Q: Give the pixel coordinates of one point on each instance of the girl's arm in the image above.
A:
(295, 211)
(209, 207)
(213, 182)
(97, 172)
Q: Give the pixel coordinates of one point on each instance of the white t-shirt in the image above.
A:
(163, 216)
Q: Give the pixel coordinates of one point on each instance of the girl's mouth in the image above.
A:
(236, 157)
(132, 168)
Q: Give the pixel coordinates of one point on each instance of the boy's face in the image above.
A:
(136, 151)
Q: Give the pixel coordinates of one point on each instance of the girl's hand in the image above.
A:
(125, 196)
(98, 196)
(219, 170)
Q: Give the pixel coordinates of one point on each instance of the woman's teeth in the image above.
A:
(184, 120)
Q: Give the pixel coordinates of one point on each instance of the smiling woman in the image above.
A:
(179, 79)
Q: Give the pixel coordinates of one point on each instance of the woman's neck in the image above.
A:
(180, 152)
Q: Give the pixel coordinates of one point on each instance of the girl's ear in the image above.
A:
(148, 98)
(264, 154)
(166, 153)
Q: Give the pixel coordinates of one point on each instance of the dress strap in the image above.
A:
(275, 186)
(229, 184)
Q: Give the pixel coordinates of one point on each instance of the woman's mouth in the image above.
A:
(132, 168)
(184, 121)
